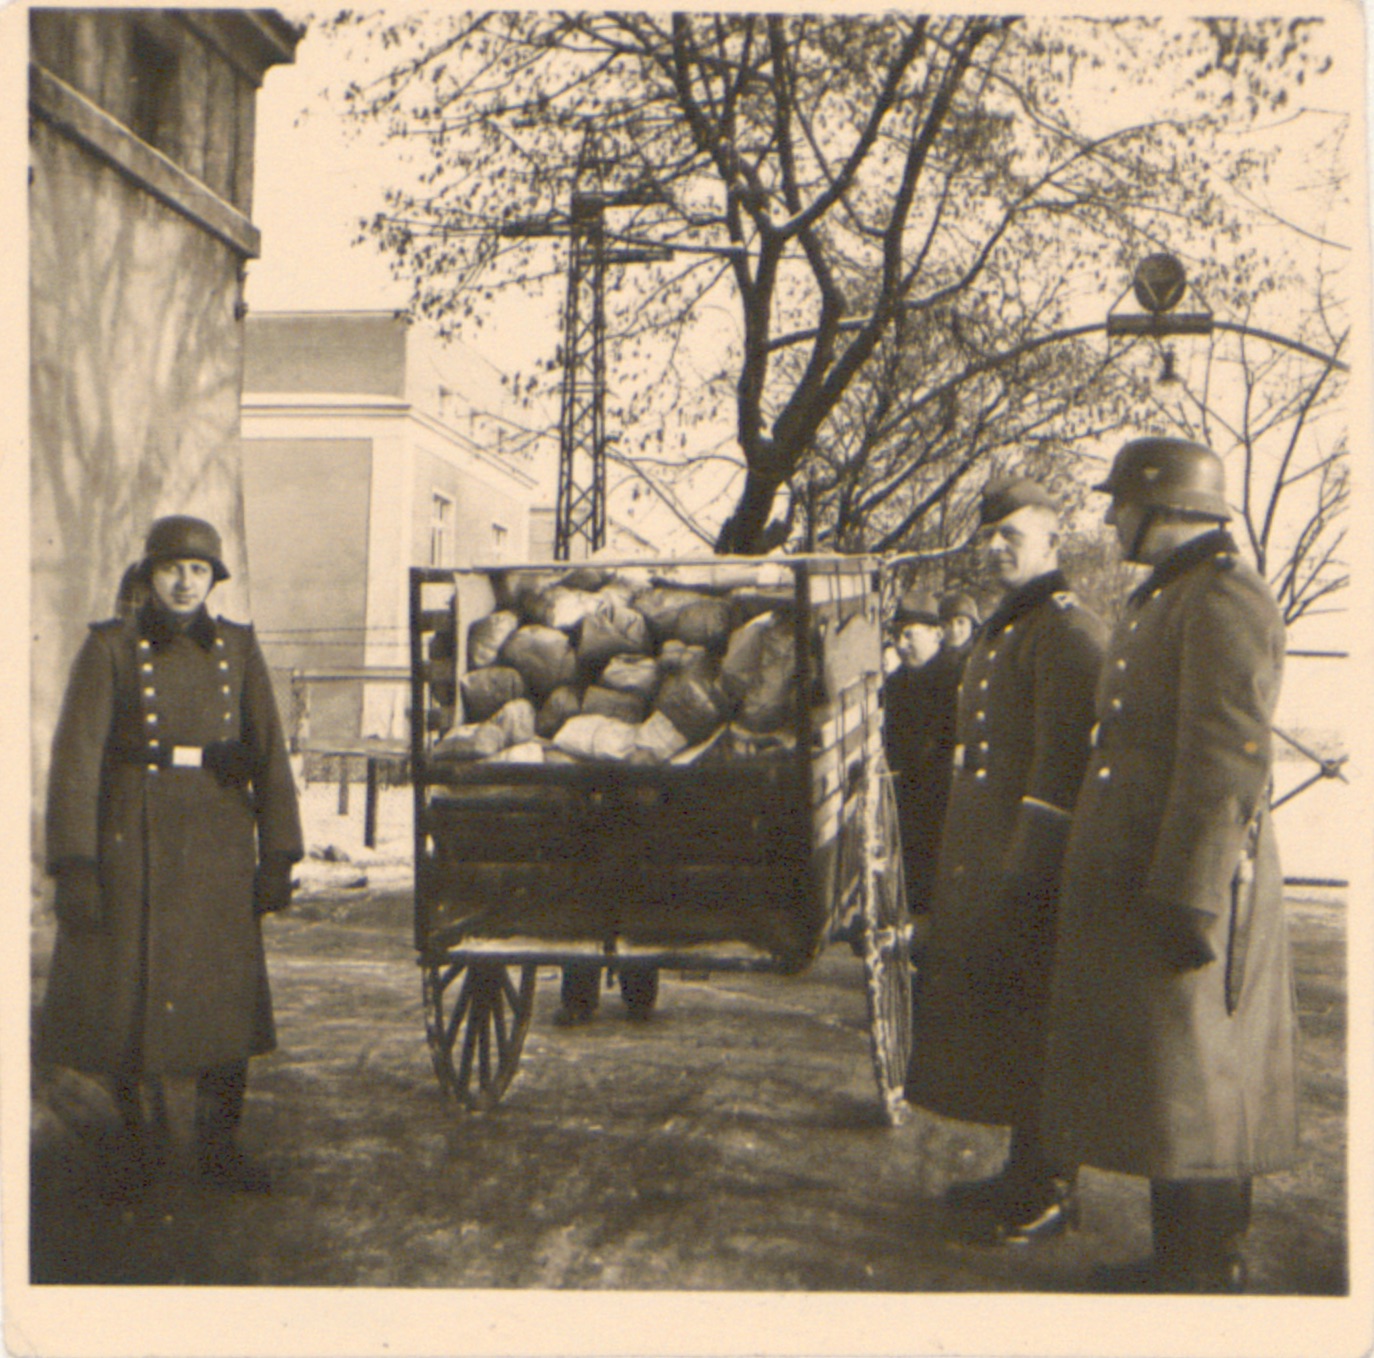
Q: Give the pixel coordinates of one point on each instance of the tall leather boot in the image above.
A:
(219, 1108)
(1199, 1228)
(639, 989)
(140, 1147)
(1031, 1198)
(578, 994)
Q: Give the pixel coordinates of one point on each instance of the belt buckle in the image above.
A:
(187, 756)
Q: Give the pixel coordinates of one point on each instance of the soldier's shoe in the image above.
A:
(225, 1166)
(1040, 1215)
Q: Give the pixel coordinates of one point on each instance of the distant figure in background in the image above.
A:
(172, 825)
(133, 591)
(580, 992)
(920, 700)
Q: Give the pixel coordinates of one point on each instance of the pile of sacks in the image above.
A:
(631, 667)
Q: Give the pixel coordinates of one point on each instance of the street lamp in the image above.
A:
(1159, 283)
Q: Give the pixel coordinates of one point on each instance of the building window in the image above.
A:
(440, 530)
(498, 542)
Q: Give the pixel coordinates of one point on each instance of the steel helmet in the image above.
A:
(1168, 473)
(178, 536)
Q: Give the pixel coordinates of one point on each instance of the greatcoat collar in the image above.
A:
(160, 628)
(1021, 601)
(1183, 559)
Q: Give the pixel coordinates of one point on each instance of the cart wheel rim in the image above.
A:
(886, 945)
(476, 1019)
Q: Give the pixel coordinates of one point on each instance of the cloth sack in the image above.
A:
(487, 691)
(632, 674)
(543, 656)
(515, 721)
(590, 736)
(477, 740)
(487, 635)
(562, 703)
(562, 607)
(692, 698)
(609, 702)
(705, 622)
(759, 670)
(613, 629)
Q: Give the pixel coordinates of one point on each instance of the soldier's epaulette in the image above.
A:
(1227, 560)
(1063, 599)
(107, 625)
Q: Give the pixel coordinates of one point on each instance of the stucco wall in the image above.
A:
(326, 352)
(135, 357)
(307, 520)
(478, 504)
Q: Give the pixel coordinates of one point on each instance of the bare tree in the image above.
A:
(914, 195)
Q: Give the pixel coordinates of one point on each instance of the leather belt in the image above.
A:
(177, 757)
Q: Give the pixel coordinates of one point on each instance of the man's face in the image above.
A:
(1126, 518)
(1022, 546)
(958, 630)
(918, 642)
(182, 585)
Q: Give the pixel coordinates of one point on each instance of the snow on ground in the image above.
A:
(336, 858)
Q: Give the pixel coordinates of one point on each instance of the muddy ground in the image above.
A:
(733, 1142)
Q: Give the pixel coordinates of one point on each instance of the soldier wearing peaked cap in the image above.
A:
(171, 825)
(1024, 714)
(918, 703)
(1172, 1031)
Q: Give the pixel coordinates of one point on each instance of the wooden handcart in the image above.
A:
(749, 866)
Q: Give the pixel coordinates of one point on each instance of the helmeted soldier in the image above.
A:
(172, 823)
(1025, 708)
(1172, 1030)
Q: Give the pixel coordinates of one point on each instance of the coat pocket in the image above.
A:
(1243, 891)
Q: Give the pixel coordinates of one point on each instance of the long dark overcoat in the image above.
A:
(1024, 716)
(176, 981)
(918, 712)
(1149, 1069)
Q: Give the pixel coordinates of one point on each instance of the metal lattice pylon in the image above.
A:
(581, 509)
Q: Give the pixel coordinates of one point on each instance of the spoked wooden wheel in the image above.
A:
(886, 942)
(476, 1020)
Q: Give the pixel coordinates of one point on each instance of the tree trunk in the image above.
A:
(744, 533)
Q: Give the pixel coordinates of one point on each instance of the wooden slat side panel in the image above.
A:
(644, 904)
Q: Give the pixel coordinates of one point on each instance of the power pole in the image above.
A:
(580, 515)
(581, 511)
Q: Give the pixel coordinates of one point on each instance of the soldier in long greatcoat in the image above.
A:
(172, 824)
(1024, 713)
(1172, 1026)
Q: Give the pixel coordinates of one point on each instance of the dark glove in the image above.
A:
(1181, 934)
(272, 884)
(78, 902)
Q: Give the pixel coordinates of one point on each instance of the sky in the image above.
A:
(315, 177)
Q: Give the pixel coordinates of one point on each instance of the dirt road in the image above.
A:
(731, 1143)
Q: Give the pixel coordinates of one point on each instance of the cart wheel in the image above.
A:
(886, 943)
(476, 1021)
